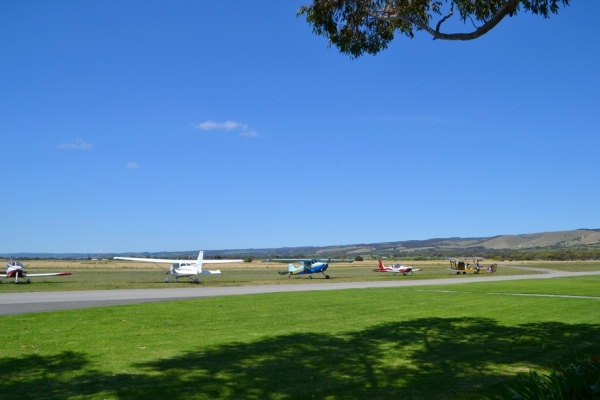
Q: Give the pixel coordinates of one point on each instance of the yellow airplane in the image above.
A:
(463, 265)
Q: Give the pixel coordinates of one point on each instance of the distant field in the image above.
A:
(569, 266)
(437, 342)
(89, 275)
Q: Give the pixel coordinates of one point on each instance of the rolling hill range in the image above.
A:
(545, 240)
(562, 239)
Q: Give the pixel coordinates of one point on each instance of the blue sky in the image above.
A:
(184, 125)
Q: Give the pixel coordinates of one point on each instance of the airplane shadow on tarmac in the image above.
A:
(418, 359)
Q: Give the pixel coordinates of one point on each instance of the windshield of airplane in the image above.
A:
(14, 264)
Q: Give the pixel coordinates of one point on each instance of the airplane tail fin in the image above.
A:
(199, 262)
(291, 267)
(381, 266)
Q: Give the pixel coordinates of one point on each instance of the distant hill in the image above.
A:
(551, 240)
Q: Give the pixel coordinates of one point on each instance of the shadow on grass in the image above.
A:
(462, 358)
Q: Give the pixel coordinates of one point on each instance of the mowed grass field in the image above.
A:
(436, 342)
(90, 275)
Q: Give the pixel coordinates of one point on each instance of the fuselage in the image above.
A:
(313, 269)
(395, 269)
(14, 269)
(183, 269)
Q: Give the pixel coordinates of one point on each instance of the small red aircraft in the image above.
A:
(14, 269)
(396, 269)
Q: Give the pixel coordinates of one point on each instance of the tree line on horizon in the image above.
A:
(589, 252)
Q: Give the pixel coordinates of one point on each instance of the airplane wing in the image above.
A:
(162, 260)
(48, 274)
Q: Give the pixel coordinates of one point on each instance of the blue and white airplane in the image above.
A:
(306, 266)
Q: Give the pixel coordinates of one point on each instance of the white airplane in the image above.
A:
(182, 268)
(397, 269)
(14, 269)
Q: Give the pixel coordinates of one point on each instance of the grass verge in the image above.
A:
(349, 344)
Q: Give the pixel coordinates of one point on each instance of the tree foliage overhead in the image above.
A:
(367, 26)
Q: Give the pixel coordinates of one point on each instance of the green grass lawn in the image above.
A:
(405, 343)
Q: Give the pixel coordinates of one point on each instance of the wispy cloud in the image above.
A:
(244, 129)
(132, 165)
(77, 144)
(249, 133)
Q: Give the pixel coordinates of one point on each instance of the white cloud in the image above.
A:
(132, 165)
(228, 126)
(249, 133)
(77, 144)
(222, 126)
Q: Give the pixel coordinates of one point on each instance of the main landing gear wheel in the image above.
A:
(166, 280)
(196, 280)
(326, 276)
(310, 277)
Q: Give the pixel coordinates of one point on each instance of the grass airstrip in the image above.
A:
(427, 342)
(112, 274)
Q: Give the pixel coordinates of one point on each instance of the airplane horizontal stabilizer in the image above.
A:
(51, 274)
(207, 272)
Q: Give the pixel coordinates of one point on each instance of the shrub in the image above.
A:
(576, 381)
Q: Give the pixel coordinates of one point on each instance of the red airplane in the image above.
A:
(396, 269)
(15, 269)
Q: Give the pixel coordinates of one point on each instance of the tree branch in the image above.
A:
(437, 28)
(508, 8)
